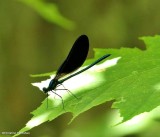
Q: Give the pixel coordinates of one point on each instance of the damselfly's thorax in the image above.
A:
(52, 85)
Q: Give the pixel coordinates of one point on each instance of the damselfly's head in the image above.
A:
(45, 90)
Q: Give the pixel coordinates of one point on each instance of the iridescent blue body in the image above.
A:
(52, 85)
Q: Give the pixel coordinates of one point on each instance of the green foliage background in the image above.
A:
(35, 37)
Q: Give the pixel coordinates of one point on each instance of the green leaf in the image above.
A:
(42, 75)
(130, 77)
(50, 12)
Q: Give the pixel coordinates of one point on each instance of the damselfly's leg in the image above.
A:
(67, 91)
(60, 97)
(47, 100)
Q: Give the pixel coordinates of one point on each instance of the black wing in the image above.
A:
(75, 58)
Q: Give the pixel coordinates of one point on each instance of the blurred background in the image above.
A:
(36, 36)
